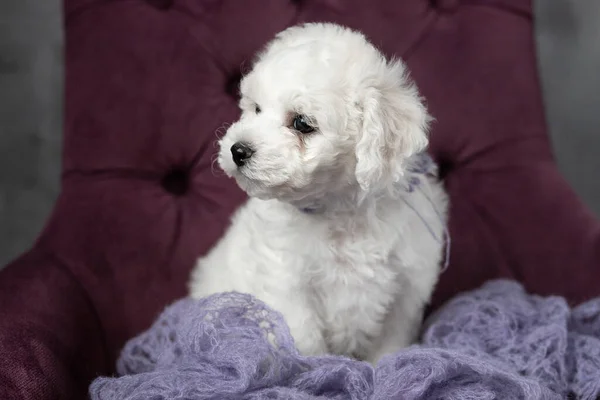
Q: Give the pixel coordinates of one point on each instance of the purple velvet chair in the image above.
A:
(148, 84)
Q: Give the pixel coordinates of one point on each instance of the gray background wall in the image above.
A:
(31, 80)
(568, 38)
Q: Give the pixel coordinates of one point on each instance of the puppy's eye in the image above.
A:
(300, 123)
(257, 109)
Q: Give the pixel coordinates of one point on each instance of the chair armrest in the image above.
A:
(51, 341)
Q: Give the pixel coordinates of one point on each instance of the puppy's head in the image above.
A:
(323, 113)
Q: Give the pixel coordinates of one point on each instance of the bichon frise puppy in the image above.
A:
(344, 229)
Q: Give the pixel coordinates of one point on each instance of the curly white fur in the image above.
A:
(353, 275)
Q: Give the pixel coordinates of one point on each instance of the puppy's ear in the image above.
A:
(394, 127)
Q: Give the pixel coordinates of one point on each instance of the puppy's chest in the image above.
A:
(355, 252)
(354, 280)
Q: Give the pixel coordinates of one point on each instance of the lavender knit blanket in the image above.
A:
(497, 342)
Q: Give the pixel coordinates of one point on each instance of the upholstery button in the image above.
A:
(445, 166)
(161, 4)
(176, 182)
(445, 5)
(232, 87)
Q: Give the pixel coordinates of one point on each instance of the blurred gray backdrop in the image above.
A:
(31, 81)
(31, 104)
(568, 42)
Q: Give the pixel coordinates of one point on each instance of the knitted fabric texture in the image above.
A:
(497, 342)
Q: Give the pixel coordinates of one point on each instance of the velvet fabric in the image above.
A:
(148, 82)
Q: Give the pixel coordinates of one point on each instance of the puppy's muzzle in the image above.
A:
(241, 153)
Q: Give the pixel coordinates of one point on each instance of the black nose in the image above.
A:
(241, 153)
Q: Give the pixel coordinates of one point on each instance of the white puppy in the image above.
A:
(344, 229)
